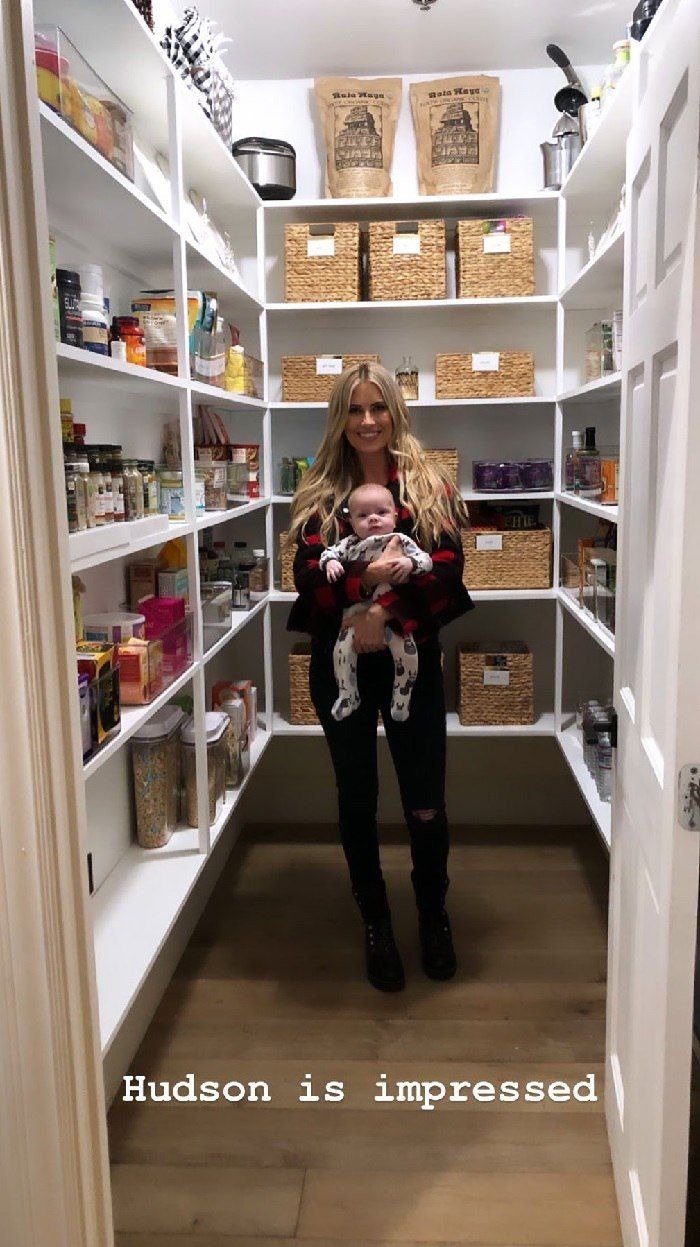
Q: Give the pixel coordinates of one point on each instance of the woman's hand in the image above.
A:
(369, 628)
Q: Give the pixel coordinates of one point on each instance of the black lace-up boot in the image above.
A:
(384, 966)
(437, 949)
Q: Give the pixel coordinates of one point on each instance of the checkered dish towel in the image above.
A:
(195, 51)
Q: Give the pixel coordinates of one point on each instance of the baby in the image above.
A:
(373, 518)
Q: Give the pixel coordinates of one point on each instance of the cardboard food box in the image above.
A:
(174, 584)
(143, 581)
(140, 671)
(98, 662)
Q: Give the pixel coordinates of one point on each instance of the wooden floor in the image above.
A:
(272, 988)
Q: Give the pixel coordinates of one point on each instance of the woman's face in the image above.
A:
(368, 426)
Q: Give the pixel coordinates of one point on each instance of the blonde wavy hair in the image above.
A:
(425, 489)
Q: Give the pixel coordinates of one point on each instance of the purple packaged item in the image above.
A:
(510, 476)
(486, 475)
(537, 474)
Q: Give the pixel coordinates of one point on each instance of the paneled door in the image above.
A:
(656, 809)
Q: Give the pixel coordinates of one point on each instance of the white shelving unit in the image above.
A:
(99, 215)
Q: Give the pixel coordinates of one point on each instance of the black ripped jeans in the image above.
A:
(418, 752)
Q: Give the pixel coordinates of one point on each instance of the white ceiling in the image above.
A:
(308, 38)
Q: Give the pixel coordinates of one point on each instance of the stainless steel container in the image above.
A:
(559, 155)
(269, 164)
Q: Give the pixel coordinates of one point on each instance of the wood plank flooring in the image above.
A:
(271, 989)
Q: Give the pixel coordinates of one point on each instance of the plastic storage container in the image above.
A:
(114, 627)
(216, 725)
(155, 757)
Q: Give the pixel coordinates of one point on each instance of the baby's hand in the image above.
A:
(334, 570)
(404, 567)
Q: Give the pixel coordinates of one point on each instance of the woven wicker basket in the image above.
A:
(322, 278)
(396, 274)
(287, 549)
(301, 710)
(301, 382)
(482, 274)
(495, 683)
(446, 459)
(524, 560)
(456, 376)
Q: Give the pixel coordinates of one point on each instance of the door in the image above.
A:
(654, 860)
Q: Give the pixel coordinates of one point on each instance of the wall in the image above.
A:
(287, 110)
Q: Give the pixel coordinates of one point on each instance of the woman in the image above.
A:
(368, 441)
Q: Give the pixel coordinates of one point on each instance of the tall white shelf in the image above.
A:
(136, 905)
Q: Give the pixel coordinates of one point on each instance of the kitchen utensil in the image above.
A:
(269, 164)
(559, 155)
(570, 98)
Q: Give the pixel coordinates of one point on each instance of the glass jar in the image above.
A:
(214, 477)
(75, 496)
(233, 707)
(133, 490)
(199, 490)
(117, 470)
(97, 485)
(171, 493)
(407, 379)
(88, 486)
(128, 331)
(215, 724)
(105, 464)
(259, 576)
(155, 757)
(150, 486)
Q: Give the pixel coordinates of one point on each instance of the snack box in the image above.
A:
(161, 614)
(173, 584)
(140, 670)
(143, 581)
(94, 658)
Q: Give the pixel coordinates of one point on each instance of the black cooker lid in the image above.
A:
(269, 147)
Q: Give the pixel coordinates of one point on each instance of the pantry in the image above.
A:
(186, 332)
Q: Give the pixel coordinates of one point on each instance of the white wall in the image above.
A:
(287, 110)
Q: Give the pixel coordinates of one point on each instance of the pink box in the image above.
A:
(161, 614)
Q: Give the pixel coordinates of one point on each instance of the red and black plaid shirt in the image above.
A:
(421, 606)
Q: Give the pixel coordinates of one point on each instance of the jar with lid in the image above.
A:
(214, 475)
(106, 466)
(171, 493)
(127, 329)
(97, 485)
(150, 486)
(407, 379)
(215, 725)
(70, 316)
(92, 305)
(66, 420)
(133, 490)
(117, 469)
(200, 478)
(155, 758)
(259, 576)
(75, 496)
(233, 706)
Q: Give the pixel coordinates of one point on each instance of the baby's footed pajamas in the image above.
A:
(403, 649)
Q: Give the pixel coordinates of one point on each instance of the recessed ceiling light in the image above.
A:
(424, 5)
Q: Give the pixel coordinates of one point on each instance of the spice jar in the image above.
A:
(97, 485)
(171, 493)
(117, 470)
(215, 724)
(75, 496)
(108, 496)
(66, 420)
(88, 486)
(70, 316)
(155, 758)
(258, 577)
(133, 490)
(150, 486)
(233, 706)
(214, 475)
(407, 379)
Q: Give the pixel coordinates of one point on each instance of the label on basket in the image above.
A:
(500, 679)
(486, 361)
(496, 244)
(489, 541)
(329, 365)
(406, 244)
(325, 245)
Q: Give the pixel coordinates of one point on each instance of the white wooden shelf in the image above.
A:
(135, 225)
(586, 504)
(205, 272)
(232, 513)
(233, 795)
(75, 363)
(227, 399)
(469, 495)
(599, 284)
(571, 746)
(599, 171)
(600, 390)
(133, 718)
(421, 206)
(605, 639)
(437, 404)
(94, 546)
(239, 620)
(478, 595)
(543, 726)
(542, 302)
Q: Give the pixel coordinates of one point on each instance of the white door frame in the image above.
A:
(53, 1144)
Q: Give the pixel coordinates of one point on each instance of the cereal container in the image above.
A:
(216, 725)
(155, 756)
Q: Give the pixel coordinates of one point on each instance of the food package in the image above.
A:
(140, 671)
(456, 126)
(358, 117)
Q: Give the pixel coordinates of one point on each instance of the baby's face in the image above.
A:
(372, 514)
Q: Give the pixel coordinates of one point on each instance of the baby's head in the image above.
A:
(372, 511)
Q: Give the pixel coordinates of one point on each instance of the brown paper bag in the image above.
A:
(359, 124)
(456, 125)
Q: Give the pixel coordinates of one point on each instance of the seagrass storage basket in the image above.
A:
(485, 374)
(495, 683)
(288, 549)
(301, 710)
(322, 263)
(495, 259)
(511, 559)
(309, 378)
(407, 260)
(447, 459)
